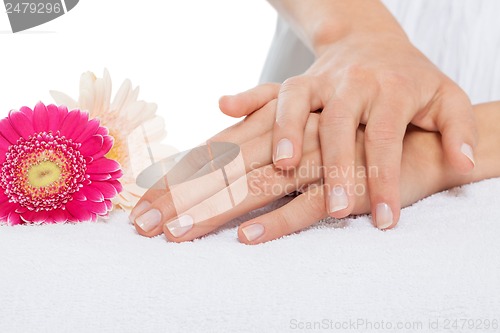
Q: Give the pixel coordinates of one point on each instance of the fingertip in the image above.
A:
(461, 157)
(228, 104)
(338, 203)
(251, 233)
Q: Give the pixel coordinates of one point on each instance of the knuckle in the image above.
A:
(355, 72)
(283, 225)
(294, 83)
(381, 134)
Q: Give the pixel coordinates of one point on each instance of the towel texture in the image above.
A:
(440, 263)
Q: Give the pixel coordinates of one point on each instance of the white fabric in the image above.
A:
(440, 263)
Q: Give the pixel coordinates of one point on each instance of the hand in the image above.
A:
(372, 78)
(424, 171)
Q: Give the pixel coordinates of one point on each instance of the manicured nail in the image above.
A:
(384, 216)
(149, 220)
(338, 199)
(467, 151)
(138, 210)
(284, 150)
(253, 231)
(180, 225)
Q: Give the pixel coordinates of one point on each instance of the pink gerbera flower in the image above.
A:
(53, 167)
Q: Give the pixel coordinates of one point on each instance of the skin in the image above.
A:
(424, 171)
(366, 72)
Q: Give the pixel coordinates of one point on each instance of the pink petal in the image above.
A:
(92, 193)
(103, 165)
(41, 118)
(41, 216)
(59, 216)
(56, 116)
(99, 208)
(103, 131)
(106, 147)
(99, 176)
(6, 208)
(109, 204)
(70, 123)
(89, 130)
(79, 196)
(83, 122)
(14, 219)
(8, 132)
(117, 174)
(28, 112)
(21, 123)
(108, 190)
(3, 197)
(78, 211)
(117, 185)
(92, 145)
(4, 147)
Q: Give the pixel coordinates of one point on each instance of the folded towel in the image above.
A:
(439, 265)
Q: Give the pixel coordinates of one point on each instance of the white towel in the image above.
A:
(441, 263)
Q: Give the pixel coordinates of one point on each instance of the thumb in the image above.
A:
(246, 102)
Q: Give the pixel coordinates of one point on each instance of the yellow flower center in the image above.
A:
(43, 174)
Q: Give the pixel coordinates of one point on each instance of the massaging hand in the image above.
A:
(374, 77)
(199, 203)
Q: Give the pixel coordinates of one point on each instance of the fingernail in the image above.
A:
(284, 150)
(338, 199)
(253, 231)
(384, 216)
(467, 151)
(138, 210)
(180, 225)
(149, 220)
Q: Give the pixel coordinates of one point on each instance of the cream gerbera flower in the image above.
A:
(134, 125)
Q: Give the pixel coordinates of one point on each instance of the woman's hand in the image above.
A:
(192, 202)
(374, 77)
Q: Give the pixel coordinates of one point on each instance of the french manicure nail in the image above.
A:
(138, 210)
(467, 151)
(149, 220)
(338, 199)
(180, 225)
(284, 150)
(253, 231)
(384, 216)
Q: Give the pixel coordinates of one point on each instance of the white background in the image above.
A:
(183, 54)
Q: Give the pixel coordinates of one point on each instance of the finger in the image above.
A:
(295, 101)
(337, 131)
(246, 102)
(259, 188)
(303, 211)
(456, 123)
(384, 144)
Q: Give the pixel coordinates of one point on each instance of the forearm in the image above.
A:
(322, 22)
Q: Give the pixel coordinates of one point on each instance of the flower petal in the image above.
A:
(6, 208)
(91, 146)
(70, 123)
(62, 98)
(89, 130)
(92, 193)
(78, 211)
(83, 120)
(103, 165)
(21, 123)
(105, 148)
(56, 116)
(106, 189)
(121, 95)
(40, 118)
(14, 219)
(8, 132)
(99, 176)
